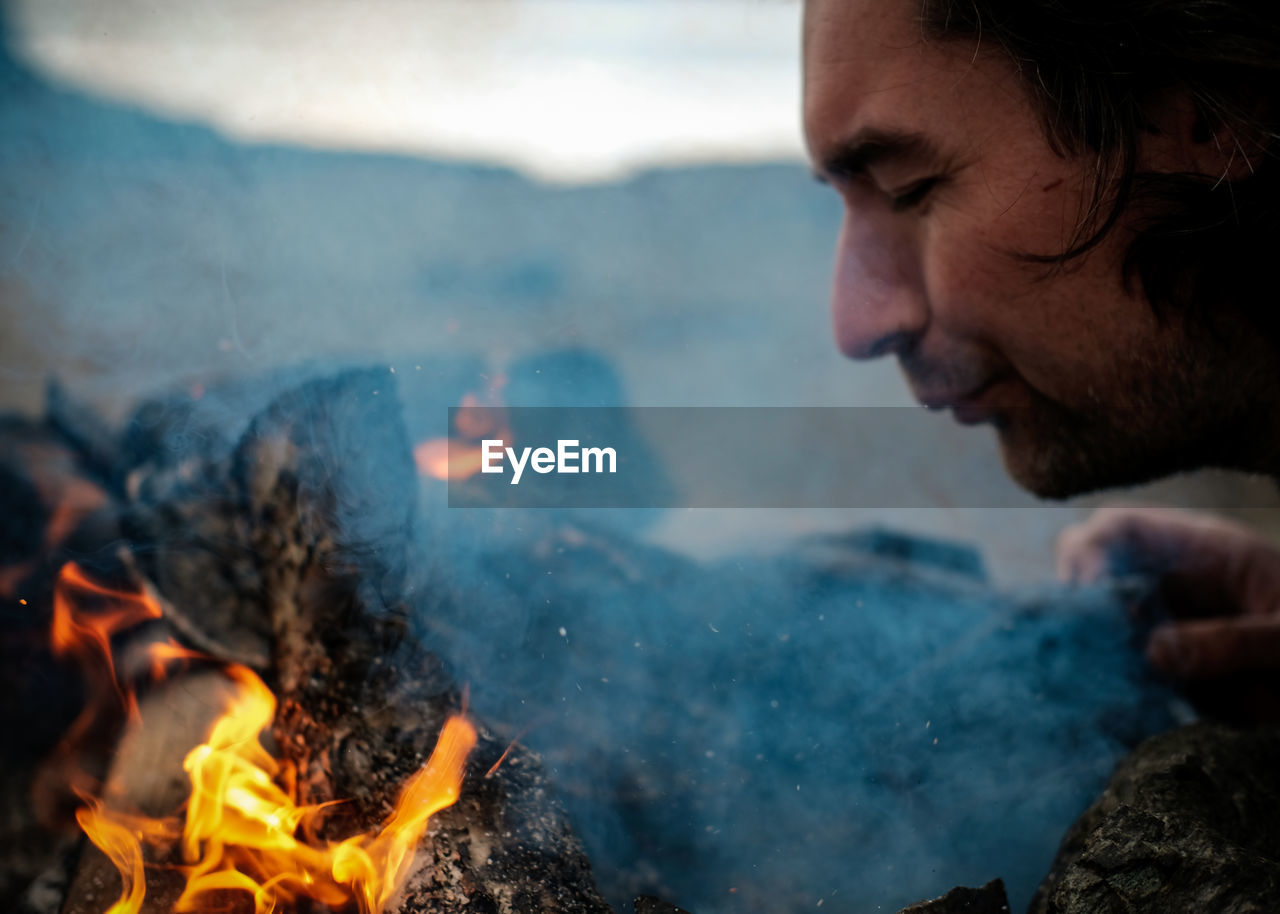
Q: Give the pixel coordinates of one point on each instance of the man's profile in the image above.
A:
(1060, 218)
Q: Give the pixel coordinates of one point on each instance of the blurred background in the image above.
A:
(612, 192)
(193, 190)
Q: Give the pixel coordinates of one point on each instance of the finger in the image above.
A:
(1216, 647)
(1080, 557)
(1087, 550)
(1228, 562)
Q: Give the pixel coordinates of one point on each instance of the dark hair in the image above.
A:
(1093, 67)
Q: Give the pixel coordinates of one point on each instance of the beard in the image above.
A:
(1057, 453)
(1191, 403)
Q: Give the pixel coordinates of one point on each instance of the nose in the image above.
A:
(878, 302)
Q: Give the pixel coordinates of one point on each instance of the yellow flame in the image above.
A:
(241, 830)
(377, 867)
(122, 847)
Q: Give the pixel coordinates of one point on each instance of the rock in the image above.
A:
(1189, 822)
(990, 899)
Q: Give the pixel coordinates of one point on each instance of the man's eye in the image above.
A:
(913, 196)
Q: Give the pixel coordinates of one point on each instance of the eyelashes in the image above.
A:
(909, 199)
(913, 196)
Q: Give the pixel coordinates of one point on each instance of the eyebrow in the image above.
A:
(873, 146)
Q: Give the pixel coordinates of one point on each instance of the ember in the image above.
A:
(461, 455)
(243, 829)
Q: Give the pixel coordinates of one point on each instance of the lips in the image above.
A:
(969, 408)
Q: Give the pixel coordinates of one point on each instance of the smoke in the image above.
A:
(767, 733)
(756, 733)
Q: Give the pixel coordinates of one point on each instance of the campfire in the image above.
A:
(260, 731)
(241, 829)
(253, 654)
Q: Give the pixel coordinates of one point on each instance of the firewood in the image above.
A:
(293, 546)
(146, 777)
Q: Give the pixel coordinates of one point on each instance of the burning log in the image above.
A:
(287, 552)
(279, 542)
(146, 773)
(360, 702)
(246, 842)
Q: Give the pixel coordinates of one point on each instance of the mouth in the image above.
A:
(970, 407)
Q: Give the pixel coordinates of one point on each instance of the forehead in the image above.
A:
(831, 26)
(867, 65)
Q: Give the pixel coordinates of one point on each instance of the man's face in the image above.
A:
(946, 177)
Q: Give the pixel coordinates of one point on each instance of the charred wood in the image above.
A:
(989, 899)
(146, 777)
(293, 546)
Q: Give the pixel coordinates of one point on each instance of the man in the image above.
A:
(1060, 218)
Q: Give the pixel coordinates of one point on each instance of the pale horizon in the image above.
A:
(566, 91)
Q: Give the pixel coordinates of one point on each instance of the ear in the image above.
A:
(1181, 136)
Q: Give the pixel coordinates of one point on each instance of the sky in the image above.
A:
(568, 91)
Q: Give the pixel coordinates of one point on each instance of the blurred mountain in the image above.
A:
(135, 250)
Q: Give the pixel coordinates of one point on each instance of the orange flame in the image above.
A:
(120, 836)
(162, 653)
(243, 829)
(377, 867)
(87, 636)
(122, 847)
(460, 456)
(448, 458)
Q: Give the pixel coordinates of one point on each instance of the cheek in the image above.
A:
(984, 231)
(974, 288)
(1029, 203)
(1062, 331)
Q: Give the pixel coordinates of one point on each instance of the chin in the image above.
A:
(1060, 459)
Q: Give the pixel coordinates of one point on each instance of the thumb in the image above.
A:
(1216, 647)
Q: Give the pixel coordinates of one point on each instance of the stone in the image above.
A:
(990, 899)
(1189, 822)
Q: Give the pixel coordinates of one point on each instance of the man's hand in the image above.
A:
(1220, 582)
